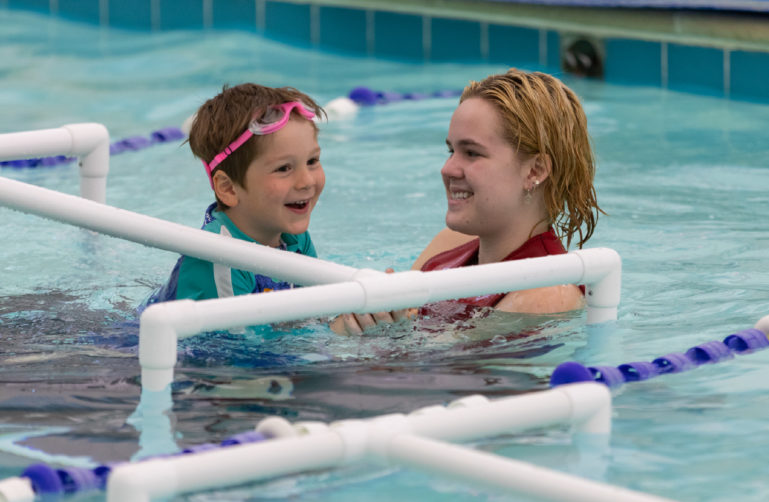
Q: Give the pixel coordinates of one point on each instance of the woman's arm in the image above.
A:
(547, 300)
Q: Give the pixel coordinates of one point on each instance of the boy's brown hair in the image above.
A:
(227, 115)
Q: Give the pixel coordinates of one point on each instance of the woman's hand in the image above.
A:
(356, 324)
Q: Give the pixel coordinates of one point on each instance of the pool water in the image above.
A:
(682, 177)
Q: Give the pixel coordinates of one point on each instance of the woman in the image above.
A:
(519, 179)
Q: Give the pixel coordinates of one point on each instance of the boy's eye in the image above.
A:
(283, 169)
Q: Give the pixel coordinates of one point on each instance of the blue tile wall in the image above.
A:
(352, 38)
(398, 36)
(749, 74)
(181, 14)
(512, 45)
(401, 36)
(455, 40)
(33, 5)
(80, 10)
(633, 61)
(698, 69)
(553, 57)
(288, 22)
(136, 15)
(240, 14)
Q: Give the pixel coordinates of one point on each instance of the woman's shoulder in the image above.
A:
(443, 241)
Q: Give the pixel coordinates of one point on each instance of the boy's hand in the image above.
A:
(356, 324)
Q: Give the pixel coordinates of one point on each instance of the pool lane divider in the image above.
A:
(361, 96)
(368, 97)
(742, 342)
(130, 144)
(46, 480)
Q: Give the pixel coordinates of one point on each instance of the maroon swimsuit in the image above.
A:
(540, 245)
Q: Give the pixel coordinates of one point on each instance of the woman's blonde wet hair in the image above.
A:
(541, 116)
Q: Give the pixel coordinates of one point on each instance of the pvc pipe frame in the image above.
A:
(412, 440)
(170, 236)
(161, 325)
(88, 141)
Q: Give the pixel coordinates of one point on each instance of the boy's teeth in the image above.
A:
(460, 195)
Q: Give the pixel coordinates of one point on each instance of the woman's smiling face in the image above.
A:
(483, 176)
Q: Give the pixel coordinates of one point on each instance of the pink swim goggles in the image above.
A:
(274, 119)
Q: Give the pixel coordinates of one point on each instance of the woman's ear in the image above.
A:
(225, 189)
(540, 169)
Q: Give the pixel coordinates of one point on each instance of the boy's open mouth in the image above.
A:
(300, 204)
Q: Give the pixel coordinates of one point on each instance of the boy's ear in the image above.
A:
(225, 189)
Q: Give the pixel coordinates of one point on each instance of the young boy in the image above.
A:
(260, 150)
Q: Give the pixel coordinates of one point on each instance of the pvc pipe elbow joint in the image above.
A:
(590, 406)
(159, 329)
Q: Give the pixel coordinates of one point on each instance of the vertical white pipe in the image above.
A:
(88, 141)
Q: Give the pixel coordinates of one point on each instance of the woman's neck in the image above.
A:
(494, 248)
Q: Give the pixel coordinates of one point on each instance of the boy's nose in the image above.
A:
(305, 179)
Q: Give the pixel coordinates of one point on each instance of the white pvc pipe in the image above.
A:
(510, 476)
(89, 142)
(162, 234)
(16, 490)
(162, 324)
(763, 325)
(384, 438)
(587, 407)
(161, 478)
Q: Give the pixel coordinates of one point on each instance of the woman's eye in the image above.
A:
(313, 161)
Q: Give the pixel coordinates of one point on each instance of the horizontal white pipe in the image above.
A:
(16, 490)
(88, 141)
(587, 407)
(160, 478)
(162, 234)
(162, 324)
(350, 441)
(511, 476)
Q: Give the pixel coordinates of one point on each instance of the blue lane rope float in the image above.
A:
(367, 97)
(47, 480)
(133, 143)
(742, 342)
